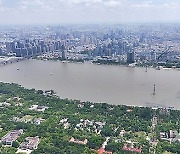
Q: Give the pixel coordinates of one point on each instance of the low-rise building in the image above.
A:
(73, 140)
(38, 121)
(171, 136)
(10, 137)
(38, 108)
(132, 148)
(5, 104)
(30, 143)
(103, 151)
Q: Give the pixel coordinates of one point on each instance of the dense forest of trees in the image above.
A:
(54, 138)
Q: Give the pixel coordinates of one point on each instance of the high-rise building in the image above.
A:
(13, 46)
(8, 46)
(18, 44)
(29, 51)
(18, 52)
(39, 49)
(0, 51)
(24, 52)
(153, 56)
(34, 49)
(130, 57)
(64, 54)
(57, 45)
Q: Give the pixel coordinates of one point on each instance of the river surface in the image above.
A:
(98, 83)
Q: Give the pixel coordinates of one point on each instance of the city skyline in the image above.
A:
(88, 11)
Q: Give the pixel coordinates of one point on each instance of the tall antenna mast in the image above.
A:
(154, 90)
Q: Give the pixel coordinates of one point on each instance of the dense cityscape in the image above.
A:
(89, 77)
(36, 121)
(154, 45)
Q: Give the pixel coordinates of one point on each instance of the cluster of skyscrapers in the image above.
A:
(33, 47)
(128, 43)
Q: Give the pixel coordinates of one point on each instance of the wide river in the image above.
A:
(98, 83)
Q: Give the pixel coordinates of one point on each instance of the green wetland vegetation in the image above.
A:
(64, 119)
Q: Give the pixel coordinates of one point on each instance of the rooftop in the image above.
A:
(11, 136)
(30, 143)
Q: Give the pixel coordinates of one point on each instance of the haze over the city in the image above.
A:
(88, 11)
(90, 76)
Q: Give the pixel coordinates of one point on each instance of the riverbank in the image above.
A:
(11, 60)
(156, 66)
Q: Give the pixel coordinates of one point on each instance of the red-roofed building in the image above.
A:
(132, 149)
(102, 151)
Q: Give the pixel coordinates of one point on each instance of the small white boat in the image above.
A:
(132, 65)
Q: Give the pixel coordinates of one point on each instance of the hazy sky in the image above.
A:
(88, 11)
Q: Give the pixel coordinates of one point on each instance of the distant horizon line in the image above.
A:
(93, 23)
